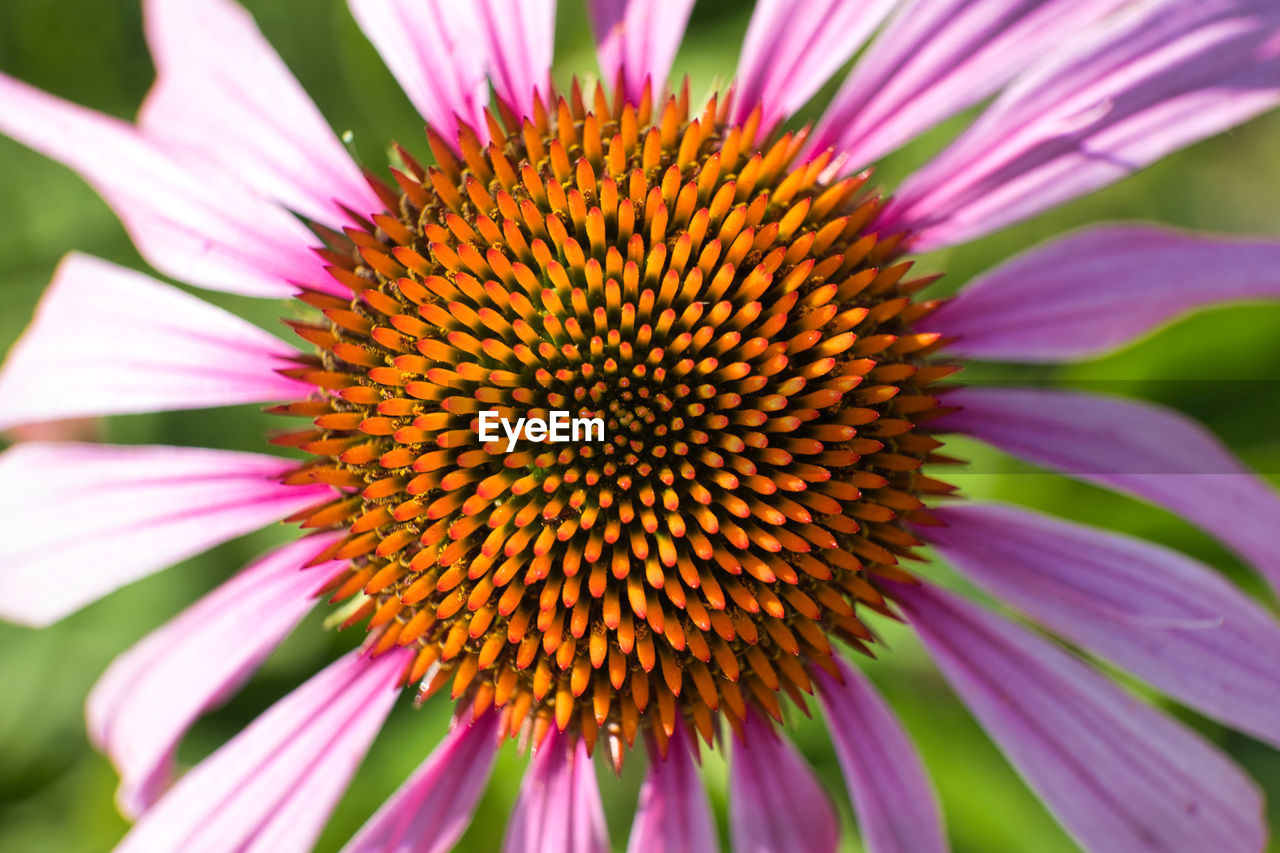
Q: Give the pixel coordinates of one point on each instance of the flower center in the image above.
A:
(746, 345)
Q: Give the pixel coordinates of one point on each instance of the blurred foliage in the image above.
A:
(56, 792)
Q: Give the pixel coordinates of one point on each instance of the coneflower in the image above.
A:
(735, 305)
(745, 338)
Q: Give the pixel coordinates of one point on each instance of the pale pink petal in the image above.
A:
(215, 234)
(82, 520)
(559, 808)
(273, 786)
(1119, 775)
(792, 49)
(639, 39)
(223, 95)
(1135, 88)
(432, 808)
(433, 47)
(519, 40)
(673, 815)
(1133, 447)
(1096, 290)
(936, 58)
(1164, 617)
(144, 703)
(107, 340)
(776, 803)
(896, 806)
(74, 429)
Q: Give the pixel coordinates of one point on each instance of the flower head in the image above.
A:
(745, 341)
(732, 302)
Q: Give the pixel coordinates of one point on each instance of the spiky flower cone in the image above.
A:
(747, 341)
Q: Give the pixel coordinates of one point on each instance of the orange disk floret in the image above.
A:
(746, 341)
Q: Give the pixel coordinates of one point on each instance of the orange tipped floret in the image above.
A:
(747, 340)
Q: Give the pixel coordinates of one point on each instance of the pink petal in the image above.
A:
(939, 57)
(1164, 617)
(430, 811)
(433, 47)
(639, 39)
(223, 96)
(82, 520)
(108, 340)
(1096, 290)
(559, 808)
(144, 703)
(75, 429)
(273, 786)
(215, 234)
(776, 803)
(519, 39)
(1137, 448)
(673, 814)
(1138, 86)
(896, 807)
(1119, 775)
(792, 49)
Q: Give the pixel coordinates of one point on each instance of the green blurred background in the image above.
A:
(56, 792)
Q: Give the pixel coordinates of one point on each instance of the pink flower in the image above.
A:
(736, 307)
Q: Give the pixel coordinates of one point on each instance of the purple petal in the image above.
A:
(107, 340)
(520, 39)
(638, 38)
(776, 803)
(433, 47)
(273, 786)
(1096, 290)
(215, 234)
(1138, 86)
(1119, 775)
(82, 520)
(559, 808)
(430, 811)
(144, 703)
(223, 95)
(1137, 448)
(895, 803)
(792, 49)
(937, 58)
(1164, 617)
(673, 814)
